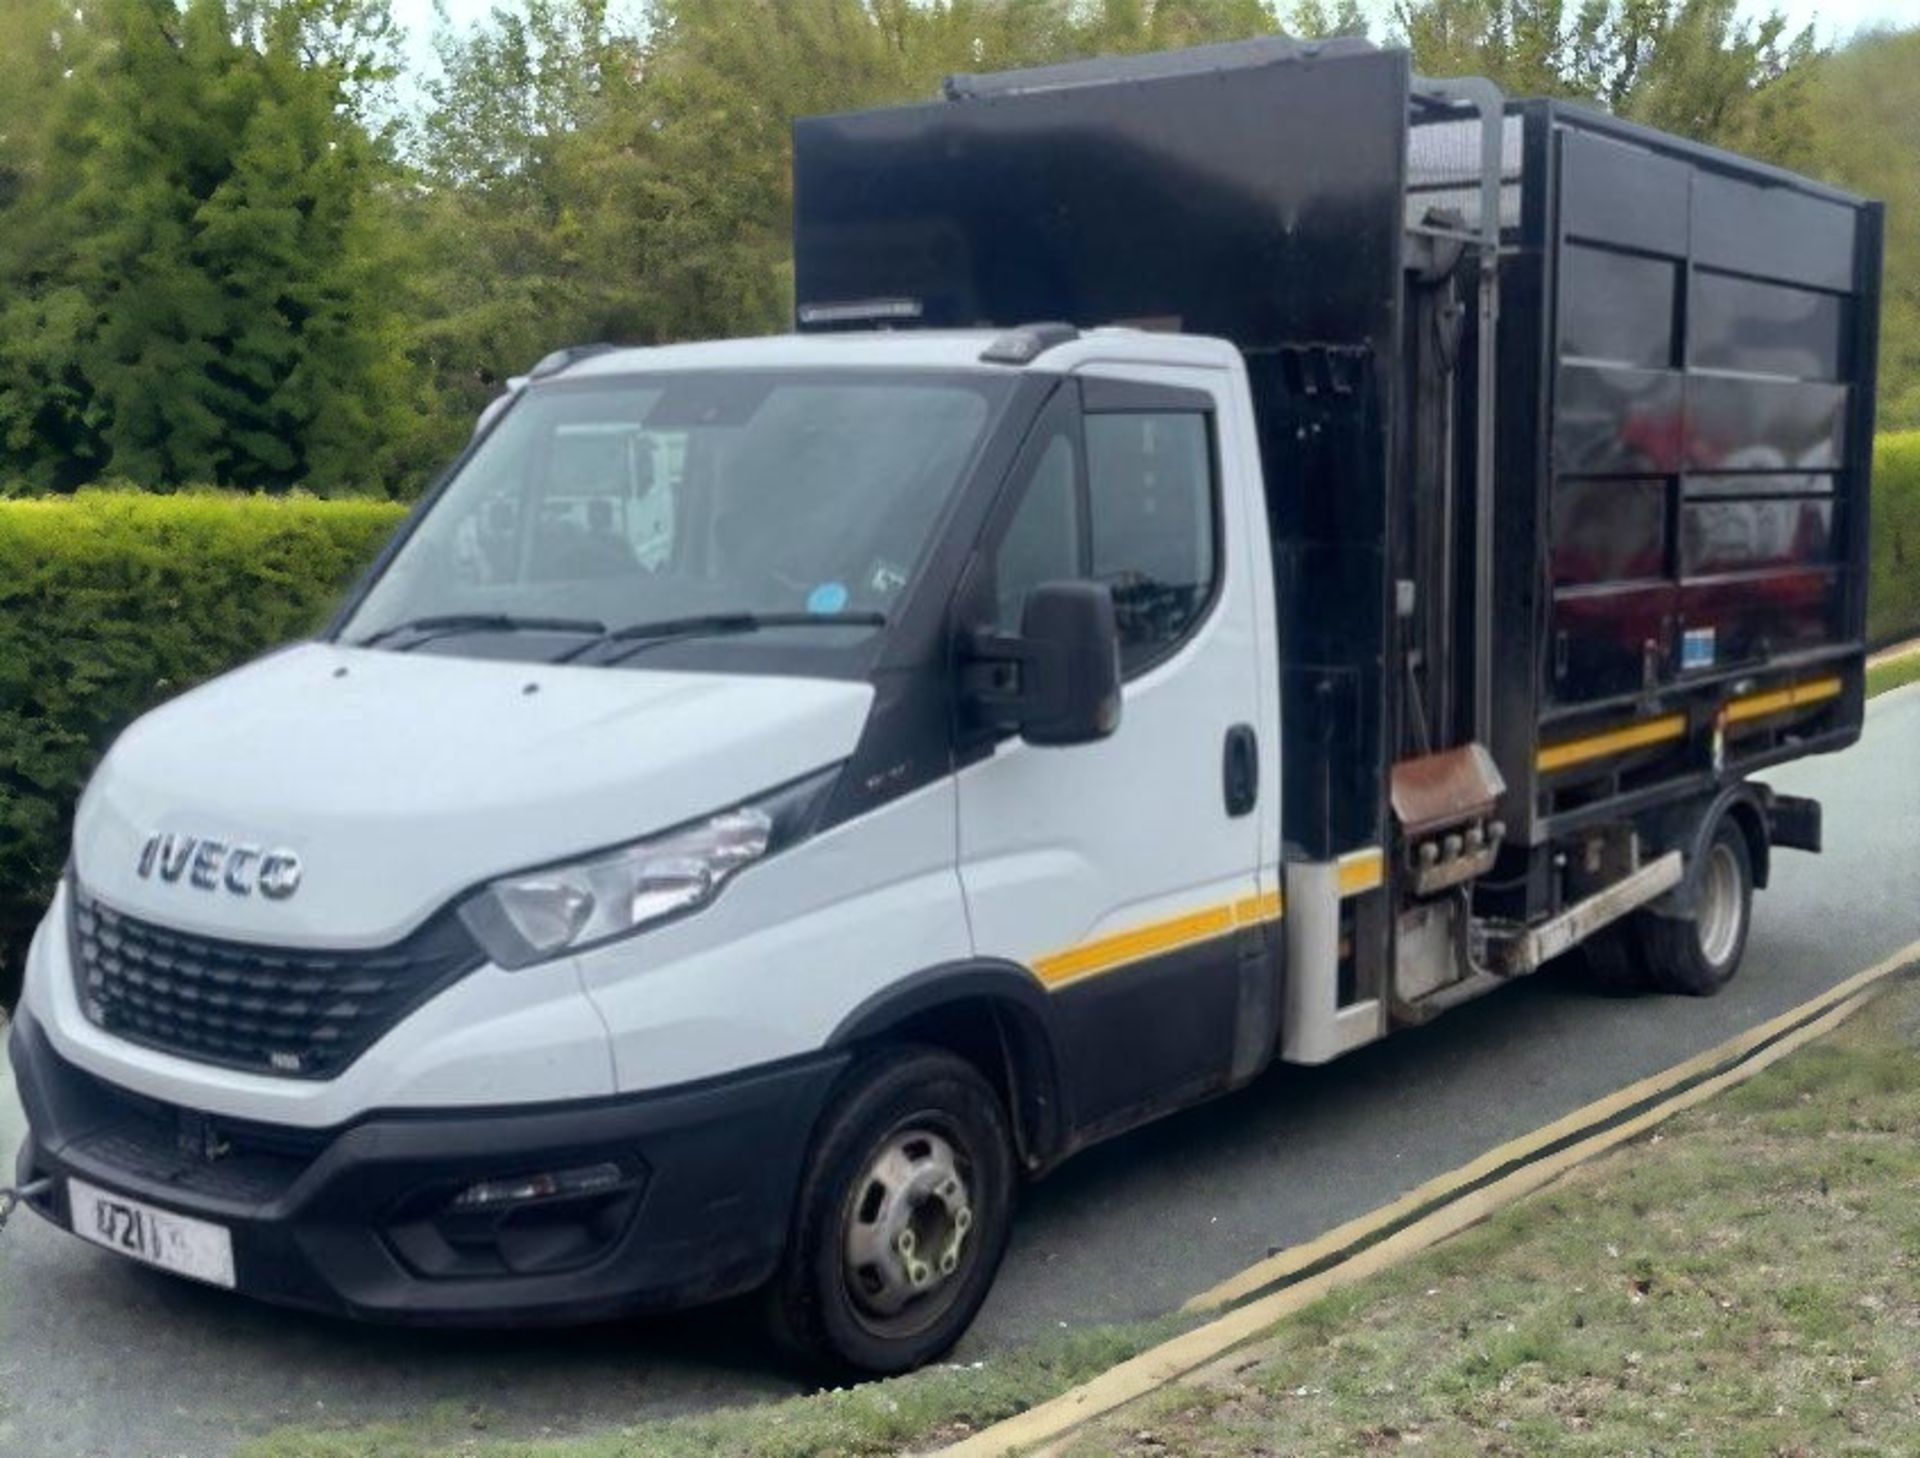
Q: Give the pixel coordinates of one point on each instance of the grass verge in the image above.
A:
(1747, 1281)
(938, 1404)
(1892, 673)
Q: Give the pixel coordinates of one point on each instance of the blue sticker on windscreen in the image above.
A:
(828, 597)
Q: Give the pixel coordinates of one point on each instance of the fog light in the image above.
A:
(587, 1180)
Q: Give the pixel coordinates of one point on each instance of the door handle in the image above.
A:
(1240, 770)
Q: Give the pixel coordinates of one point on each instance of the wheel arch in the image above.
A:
(1690, 827)
(996, 1016)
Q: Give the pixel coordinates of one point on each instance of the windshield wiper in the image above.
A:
(641, 636)
(444, 625)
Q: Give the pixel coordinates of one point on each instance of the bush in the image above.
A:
(113, 600)
(1893, 596)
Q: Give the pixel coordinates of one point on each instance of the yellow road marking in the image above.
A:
(1290, 1262)
(1047, 1423)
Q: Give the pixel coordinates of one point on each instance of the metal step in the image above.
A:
(1522, 952)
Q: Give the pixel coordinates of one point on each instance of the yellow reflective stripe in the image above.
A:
(1674, 726)
(1361, 870)
(1756, 706)
(1253, 910)
(1103, 954)
(1614, 741)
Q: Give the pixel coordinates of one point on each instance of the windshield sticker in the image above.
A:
(828, 597)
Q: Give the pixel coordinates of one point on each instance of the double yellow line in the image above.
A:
(1442, 1207)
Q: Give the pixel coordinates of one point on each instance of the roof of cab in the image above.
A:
(900, 349)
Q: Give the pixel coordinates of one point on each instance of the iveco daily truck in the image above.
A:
(1244, 550)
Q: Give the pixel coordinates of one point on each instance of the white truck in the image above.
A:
(778, 794)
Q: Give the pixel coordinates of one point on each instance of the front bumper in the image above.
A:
(357, 1220)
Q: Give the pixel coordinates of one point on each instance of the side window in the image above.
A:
(1151, 494)
(1044, 541)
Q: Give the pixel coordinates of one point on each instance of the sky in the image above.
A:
(1833, 19)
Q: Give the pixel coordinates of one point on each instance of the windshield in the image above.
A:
(656, 499)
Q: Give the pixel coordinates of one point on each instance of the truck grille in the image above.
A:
(297, 1012)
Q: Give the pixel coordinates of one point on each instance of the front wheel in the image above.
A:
(902, 1217)
(1698, 955)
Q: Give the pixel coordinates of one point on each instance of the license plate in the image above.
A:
(176, 1243)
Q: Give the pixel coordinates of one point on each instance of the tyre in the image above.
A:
(1698, 955)
(1612, 963)
(902, 1217)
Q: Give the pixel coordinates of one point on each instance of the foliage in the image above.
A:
(872, 1420)
(1893, 597)
(229, 252)
(1892, 673)
(1742, 1283)
(191, 266)
(592, 183)
(1866, 135)
(110, 601)
(1695, 67)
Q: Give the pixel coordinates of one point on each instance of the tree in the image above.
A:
(1528, 47)
(1319, 19)
(37, 38)
(506, 272)
(1689, 66)
(698, 181)
(1866, 136)
(185, 290)
(1697, 68)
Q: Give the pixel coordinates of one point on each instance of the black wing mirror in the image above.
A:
(1058, 682)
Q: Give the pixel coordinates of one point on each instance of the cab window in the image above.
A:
(1145, 525)
(1151, 506)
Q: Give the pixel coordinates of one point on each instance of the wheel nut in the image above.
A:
(919, 1274)
(963, 1219)
(905, 1243)
(948, 1262)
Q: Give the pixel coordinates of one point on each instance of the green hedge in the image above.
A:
(112, 600)
(1893, 598)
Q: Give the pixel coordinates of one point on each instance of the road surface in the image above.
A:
(101, 1359)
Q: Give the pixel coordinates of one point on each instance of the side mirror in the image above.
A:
(1058, 682)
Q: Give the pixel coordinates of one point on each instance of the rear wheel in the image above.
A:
(1611, 959)
(902, 1218)
(1699, 954)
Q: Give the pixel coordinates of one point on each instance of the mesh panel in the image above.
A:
(1443, 170)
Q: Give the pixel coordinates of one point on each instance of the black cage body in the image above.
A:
(1683, 402)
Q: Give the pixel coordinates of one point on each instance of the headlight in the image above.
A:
(527, 918)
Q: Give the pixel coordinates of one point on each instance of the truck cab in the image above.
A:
(511, 942)
(775, 795)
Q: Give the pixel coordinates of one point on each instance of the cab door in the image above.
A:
(1123, 874)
